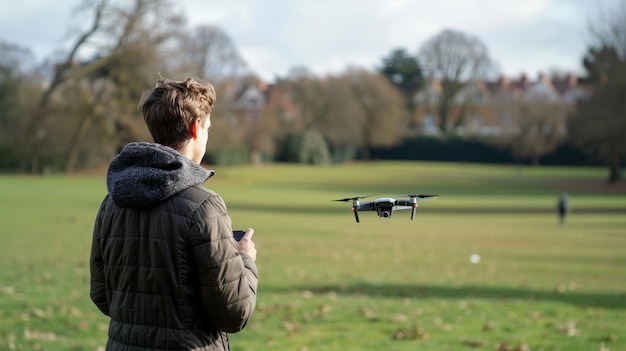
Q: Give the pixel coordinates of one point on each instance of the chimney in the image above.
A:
(503, 82)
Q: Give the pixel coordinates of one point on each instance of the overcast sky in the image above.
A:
(326, 36)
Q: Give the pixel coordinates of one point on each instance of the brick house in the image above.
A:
(487, 107)
(253, 99)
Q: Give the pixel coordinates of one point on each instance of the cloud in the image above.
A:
(329, 35)
(37, 24)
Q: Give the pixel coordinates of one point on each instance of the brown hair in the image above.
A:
(171, 107)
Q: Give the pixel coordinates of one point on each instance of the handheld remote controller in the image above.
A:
(238, 234)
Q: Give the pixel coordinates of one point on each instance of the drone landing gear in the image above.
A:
(413, 210)
(356, 213)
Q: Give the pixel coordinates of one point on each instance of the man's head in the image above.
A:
(174, 110)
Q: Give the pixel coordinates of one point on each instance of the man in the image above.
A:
(164, 265)
(563, 207)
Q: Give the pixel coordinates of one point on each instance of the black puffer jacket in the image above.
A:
(164, 265)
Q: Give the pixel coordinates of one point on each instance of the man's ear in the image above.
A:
(194, 128)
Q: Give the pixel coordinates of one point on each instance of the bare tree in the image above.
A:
(355, 109)
(308, 95)
(540, 127)
(341, 123)
(326, 106)
(34, 133)
(101, 114)
(209, 53)
(455, 60)
(132, 50)
(382, 109)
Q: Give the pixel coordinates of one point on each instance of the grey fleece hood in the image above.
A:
(144, 174)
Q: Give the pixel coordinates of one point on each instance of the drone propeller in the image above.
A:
(353, 198)
(421, 197)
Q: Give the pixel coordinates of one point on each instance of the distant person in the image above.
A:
(164, 265)
(563, 207)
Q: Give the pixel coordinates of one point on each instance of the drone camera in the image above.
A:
(384, 212)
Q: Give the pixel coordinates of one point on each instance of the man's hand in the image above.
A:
(246, 245)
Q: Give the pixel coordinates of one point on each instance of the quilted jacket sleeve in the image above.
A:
(97, 290)
(228, 278)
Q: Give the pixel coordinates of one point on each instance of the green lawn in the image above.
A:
(328, 283)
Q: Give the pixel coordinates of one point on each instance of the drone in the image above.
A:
(385, 206)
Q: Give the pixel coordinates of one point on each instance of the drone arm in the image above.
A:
(356, 207)
(412, 204)
(367, 206)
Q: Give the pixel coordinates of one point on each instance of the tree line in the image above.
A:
(76, 109)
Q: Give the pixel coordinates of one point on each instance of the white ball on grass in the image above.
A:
(474, 258)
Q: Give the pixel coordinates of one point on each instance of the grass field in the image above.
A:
(328, 283)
